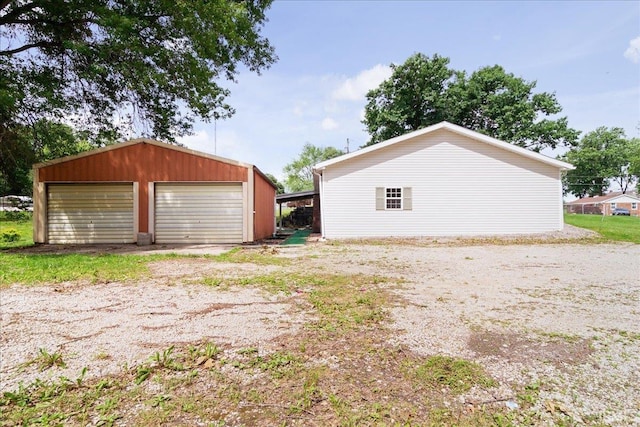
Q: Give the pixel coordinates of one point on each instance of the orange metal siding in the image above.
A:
(142, 163)
(264, 206)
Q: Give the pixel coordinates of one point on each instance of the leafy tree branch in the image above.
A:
(424, 91)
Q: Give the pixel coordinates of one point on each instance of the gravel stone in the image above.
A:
(565, 316)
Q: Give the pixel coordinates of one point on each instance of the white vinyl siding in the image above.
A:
(198, 213)
(90, 213)
(457, 186)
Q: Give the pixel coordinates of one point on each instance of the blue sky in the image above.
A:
(330, 53)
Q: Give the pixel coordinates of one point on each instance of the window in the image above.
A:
(613, 205)
(393, 198)
(634, 206)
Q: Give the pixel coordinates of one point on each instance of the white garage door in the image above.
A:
(198, 213)
(90, 213)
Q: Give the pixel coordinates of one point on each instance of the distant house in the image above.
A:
(604, 205)
(439, 181)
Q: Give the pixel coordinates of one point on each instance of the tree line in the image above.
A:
(106, 69)
(425, 90)
(80, 74)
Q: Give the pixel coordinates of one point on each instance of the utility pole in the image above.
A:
(347, 145)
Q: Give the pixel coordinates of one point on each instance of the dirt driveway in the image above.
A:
(559, 320)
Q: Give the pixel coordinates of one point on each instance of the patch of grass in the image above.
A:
(49, 402)
(102, 355)
(15, 233)
(631, 336)
(501, 240)
(340, 300)
(273, 283)
(345, 302)
(561, 336)
(616, 228)
(278, 364)
(295, 391)
(458, 375)
(530, 395)
(266, 255)
(29, 269)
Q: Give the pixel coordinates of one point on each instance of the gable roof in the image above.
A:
(156, 143)
(129, 143)
(455, 129)
(607, 198)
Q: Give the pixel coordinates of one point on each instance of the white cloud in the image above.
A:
(633, 51)
(300, 108)
(355, 88)
(329, 124)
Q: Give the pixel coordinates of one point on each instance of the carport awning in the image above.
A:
(292, 197)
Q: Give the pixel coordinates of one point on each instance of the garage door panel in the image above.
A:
(198, 213)
(202, 215)
(90, 213)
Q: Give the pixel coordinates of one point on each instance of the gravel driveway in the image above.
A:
(563, 315)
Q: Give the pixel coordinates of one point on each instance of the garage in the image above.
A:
(203, 213)
(90, 213)
(145, 191)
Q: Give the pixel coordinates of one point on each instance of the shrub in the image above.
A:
(18, 216)
(10, 235)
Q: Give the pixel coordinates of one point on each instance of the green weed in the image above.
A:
(260, 256)
(165, 360)
(278, 364)
(45, 360)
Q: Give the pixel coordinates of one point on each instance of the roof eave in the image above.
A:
(128, 143)
(456, 129)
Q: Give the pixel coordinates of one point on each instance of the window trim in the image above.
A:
(405, 196)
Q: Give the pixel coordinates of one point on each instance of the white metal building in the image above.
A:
(443, 180)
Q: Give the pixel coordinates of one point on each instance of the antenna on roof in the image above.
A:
(347, 145)
(215, 133)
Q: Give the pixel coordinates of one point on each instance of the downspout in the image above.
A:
(321, 185)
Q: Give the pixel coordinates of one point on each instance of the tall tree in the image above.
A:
(634, 160)
(412, 98)
(424, 91)
(23, 147)
(602, 158)
(299, 173)
(501, 105)
(279, 185)
(113, 65)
